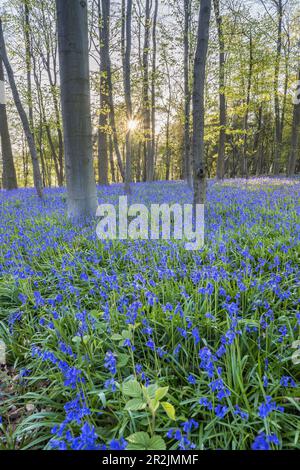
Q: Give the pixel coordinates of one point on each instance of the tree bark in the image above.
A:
(278, 134)
(295, 150)
(127, 92)
(75, 100)
(257, 144)
(111, 159)
(146, 101)
(26, 126)
(28, 54)
(153, 91)
(104, 105)
(9, 178)
(52, 72)
(187, 169)
(246, 116)
(107, 65)
(198, 154)
(222, 98)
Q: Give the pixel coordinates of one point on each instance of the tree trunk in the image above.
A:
(26, 126)
(187, 169)
(75, 100)
(222, 99)
(52, 72)
(153, 91)
(168, 150)
(198, 154)
(106, 42)
(104, 104)
(9, 173)
(257, 144)
(44, 123)
(111, 160)
(295, 150)
(278, 134)
(246, 116)
(127, 92)
(28, 55)
(146, 102)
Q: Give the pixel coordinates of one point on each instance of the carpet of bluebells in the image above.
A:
(143, 344)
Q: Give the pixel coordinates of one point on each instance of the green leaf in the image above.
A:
(161, 392)
(138, 441)
(123, 359)
(76, 339)
(135, 404)
(116, 337)
(156, 443)
(153, 405)
(86, 339)
(132, 389)
(169, 409)
(142, 441)
(126, 334)
(102, 397)
(149, 391)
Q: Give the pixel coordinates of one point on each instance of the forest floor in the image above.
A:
(145, 345)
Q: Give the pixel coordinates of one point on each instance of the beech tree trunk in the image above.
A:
(278, 133)
(187, 168)
(153, 91)
(104, 105)
(198, 153)
(222, 99)
(246, 116)
(127, 92)
(9, 178)
(295, 139)
(26, 126)
(75, 100)
(146, 101)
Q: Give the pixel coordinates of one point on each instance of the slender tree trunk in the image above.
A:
(9, 173)
(168, 152)
(26, 126)
(111, 160)
(52, 72)
(104, 104)
(187, 169)
(106, 43)
(285, 90)
(198, 153)
(222, 98)
(153, 91)
(295, 139)
(75, 100)
(139, 175)
(146, 100)
(246, 116)
(28, 55)
(257, 144)
(45, 124)
(278, 135)
(127, 92)
(168, 155)
(60, 156)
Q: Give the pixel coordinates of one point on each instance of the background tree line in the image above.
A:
(141, 58)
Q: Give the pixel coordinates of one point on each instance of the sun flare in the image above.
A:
(132, 124)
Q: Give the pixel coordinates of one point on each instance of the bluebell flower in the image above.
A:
(262, 441)
(120, 444)
(266, 408)
(110, 362)
(287, 381)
